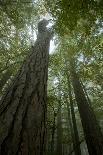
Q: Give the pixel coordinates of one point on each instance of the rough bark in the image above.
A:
(75, 137)
(23, 107)
(93, 135)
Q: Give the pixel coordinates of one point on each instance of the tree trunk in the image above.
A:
(59, 131)
(53, 133)
(23, 107)
(76, 141)
(70, 126)
(85, 92)
(93, 135)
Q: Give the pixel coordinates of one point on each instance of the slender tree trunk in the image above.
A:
(77, 149)
(23, 107)
(93, 135)
(70, 126)
(59, 131)
(53, 134)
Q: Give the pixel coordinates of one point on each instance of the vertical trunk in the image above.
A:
(59, 131)
(23, 107)
(70, 126)
(77, 149)
(53, 133)
(93, 135)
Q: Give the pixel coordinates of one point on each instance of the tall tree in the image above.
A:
(23, 107)
(59, 131)
(77, 149)
(93, 135)
(53, 132)
(59, 150)
(70, 126)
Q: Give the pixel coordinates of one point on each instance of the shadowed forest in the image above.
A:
(51, 77)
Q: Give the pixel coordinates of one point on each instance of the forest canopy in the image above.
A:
(51, 98)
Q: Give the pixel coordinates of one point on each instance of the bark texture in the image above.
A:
(93, 135)
(23, 107)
